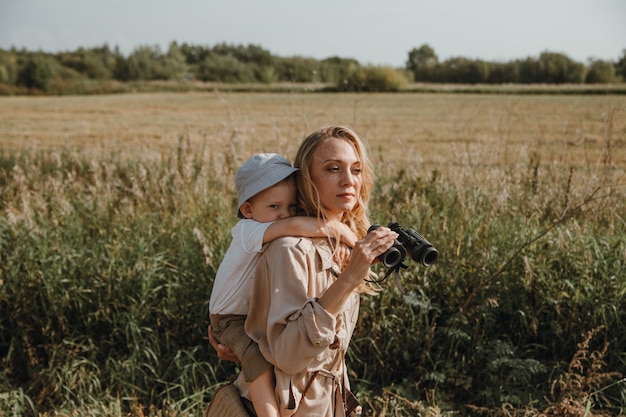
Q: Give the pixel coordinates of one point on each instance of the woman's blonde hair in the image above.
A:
(308, 197)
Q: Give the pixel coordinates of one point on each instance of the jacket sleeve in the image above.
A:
(291, 328)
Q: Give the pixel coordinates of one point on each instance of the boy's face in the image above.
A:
(274, 203)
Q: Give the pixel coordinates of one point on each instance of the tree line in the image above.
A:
(24, 71)
(548, 68)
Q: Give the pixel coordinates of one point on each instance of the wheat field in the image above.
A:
(421, 131)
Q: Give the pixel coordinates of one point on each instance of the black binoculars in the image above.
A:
(408, 242)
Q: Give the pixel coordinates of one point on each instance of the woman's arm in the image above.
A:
(363, 255)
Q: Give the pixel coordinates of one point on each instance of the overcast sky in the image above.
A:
(379, 32)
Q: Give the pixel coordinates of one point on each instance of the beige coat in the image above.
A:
(301, 339)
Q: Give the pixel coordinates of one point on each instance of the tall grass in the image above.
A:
(106, 265)
(106, 272)
(532, 259)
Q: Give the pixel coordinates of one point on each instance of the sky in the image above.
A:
(377, 32)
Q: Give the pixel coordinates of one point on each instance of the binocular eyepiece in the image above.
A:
(408, 242)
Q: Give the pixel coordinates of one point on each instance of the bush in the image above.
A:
(373, 79)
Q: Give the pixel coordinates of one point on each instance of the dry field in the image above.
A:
(425, 131)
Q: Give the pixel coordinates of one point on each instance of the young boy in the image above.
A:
(266, 188)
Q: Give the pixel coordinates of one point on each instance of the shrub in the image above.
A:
(373, 79)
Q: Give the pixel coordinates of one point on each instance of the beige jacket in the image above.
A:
(306, 344)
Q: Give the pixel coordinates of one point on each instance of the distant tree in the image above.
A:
(477, 72)
(121, 70)
(558, 68)
(95, 63)
(175, 63)
(502, 73)
(252, 63)
(248, 54)
(266, 75)
(600, 72)
(298, 69)
(4, 74)
(260, 61)
(463, 70)
(528, 71)
(148, 63)
(620, 66)
(36, 72)
(8, 67)
(194, 54)
(335, 69)
(423, 62)
(141, 63)
(224, 68)
(451, 70)
(260, 56)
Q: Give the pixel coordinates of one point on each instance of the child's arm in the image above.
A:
(309, 227)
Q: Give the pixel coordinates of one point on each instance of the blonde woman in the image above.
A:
(304, 305)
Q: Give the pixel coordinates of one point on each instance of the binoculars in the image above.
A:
(408, 242)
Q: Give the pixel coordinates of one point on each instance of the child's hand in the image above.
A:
(342, 255)
(346, 235)
(223, 352)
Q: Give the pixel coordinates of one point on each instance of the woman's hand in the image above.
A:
(223, 351)
(365, 252)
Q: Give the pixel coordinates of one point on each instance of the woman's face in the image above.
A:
(336, 173)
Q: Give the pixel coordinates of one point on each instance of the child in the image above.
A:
(266, 188)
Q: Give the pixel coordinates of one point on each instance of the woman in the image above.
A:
(304, 307)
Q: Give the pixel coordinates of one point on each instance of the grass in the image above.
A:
(115, 212)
